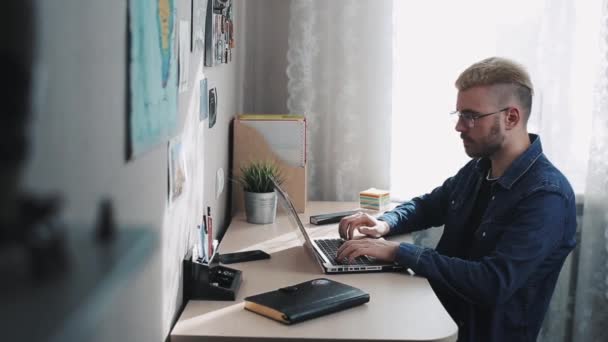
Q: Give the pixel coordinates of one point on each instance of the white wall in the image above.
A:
(78, 141)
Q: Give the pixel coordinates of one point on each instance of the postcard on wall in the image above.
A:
(199, 15)
(177, 169)
(212, 107)
(219, 32)
(204, 103)
(184, 54)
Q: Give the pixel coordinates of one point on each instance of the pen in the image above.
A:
(210, 232)
(204, 239)
(201, 243)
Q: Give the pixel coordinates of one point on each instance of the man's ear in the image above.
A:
(512, 117)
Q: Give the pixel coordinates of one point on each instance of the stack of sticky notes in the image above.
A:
(374, 199)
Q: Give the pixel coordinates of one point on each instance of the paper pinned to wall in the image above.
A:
(199, 15)
(184, 54)
(177, 169)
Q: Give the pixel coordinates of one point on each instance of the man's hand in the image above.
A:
(364, 223)
(378, 248)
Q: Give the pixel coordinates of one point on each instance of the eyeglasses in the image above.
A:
(469, 117)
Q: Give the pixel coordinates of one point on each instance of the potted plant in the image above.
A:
(260, 197)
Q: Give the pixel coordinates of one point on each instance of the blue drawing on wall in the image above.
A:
(153, 74)
(165, 31)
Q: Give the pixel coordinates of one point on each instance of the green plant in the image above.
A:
(256, 176)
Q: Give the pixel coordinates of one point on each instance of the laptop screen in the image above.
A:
(291, 211)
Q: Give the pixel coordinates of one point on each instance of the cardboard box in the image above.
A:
(281, 139)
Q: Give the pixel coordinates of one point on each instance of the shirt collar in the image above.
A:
(518, 167)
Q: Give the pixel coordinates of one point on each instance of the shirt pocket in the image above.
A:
(486, 237)
(454, 212)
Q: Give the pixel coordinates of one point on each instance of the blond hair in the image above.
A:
(500, 71)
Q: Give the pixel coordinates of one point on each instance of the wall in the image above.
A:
(77, 137)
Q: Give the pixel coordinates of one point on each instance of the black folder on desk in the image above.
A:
(310, 299)
(331, 217)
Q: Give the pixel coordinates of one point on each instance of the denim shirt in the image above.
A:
(500, 288)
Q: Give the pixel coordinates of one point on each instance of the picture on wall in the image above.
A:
(199, 15)
(184, 54)
(212, 107)
(152, 98)
(219, 32)
(177, 169)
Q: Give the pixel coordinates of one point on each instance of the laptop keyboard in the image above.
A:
(330, 248)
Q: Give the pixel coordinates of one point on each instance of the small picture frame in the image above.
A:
(212, 107)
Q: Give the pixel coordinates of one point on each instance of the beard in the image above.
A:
(487, 146)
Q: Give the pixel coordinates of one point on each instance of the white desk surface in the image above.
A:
(401, 307)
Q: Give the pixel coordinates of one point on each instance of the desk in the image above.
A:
(401, 307)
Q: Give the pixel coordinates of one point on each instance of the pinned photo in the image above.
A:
(184, 54)
(177, 169)
(198, 17)
(212, 107)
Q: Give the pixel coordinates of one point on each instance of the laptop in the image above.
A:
(324, 250)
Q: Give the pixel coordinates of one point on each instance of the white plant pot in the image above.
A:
(260, 208)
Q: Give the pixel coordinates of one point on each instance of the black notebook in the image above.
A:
(306, 300)
(330, 218)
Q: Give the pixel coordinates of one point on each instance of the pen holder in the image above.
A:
(209, 281)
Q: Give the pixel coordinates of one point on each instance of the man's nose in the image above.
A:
(461, 126)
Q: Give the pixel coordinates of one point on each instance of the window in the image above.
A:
(435, 40)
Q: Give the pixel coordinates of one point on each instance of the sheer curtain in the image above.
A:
(559, 43)
(374, 76)
(591, 297)
(339, 76)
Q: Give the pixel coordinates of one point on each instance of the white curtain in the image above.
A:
(591, 296)
(339, 76)
(559, 43)
(377, 76)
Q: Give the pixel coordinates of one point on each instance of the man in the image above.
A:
(509, 215)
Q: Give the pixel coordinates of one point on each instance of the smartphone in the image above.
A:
(232, 258)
